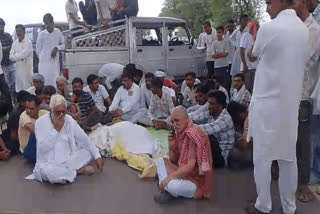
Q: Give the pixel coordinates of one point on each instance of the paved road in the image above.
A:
(119, 190)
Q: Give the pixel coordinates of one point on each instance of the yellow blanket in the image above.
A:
(142, 162)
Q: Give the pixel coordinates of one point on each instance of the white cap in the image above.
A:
(160, 74)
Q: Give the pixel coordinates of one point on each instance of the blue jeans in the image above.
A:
(30, 152)
(315, 149)
(10, 76)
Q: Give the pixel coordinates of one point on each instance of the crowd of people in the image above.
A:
(259, 105)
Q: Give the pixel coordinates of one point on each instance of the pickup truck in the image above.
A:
(150, 43)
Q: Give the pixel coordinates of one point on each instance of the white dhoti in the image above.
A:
(133, 116)
(56, 173)
(176, 187)
(288, 181)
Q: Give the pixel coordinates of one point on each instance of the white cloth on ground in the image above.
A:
(288, 181)
(176, 187)
(22, 54)
(60, 155)
(49, 67)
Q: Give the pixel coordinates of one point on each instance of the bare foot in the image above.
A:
(88, 171)
(304, 194)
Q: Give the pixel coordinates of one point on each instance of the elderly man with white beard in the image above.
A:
(63, 149)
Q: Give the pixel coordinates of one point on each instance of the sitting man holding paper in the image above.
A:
(63, 149)
(188, 171)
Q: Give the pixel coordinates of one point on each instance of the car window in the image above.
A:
(178, 35)
(149, 36)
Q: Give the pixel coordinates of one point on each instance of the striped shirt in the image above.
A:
(85, 104)
(6, 41)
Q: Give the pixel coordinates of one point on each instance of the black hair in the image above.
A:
(158, 83)
(231, 21)
(77, 80)
(149, 75)
(242, 16)
(131, 68)
(138, 73)
(22, 96)
(235, 109)
(34, 98)
(2, 22)
(202, 88)
(220, 28)
(91, 78)
(48, 90)
(207, 23)
(127, 74)
(21, 27)
(241, 76)
(4, 108)
(48, 17)
(192, 74)
(219, 96)
(196, 85)
(219, 79)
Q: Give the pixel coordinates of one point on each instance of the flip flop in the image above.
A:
(305, 197)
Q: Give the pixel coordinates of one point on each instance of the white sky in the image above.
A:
(31, 11)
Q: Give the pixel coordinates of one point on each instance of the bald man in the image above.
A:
(188, 171)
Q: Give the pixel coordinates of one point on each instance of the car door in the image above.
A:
(180, 50)
(149, 52)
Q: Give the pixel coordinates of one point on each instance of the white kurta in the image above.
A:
(59, 155)
(49, 67)
(22, 54)
(1, 56)
(282, 49)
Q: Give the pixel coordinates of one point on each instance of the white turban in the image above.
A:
(57, 100)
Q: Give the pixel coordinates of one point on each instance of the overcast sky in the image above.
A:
(32, 11)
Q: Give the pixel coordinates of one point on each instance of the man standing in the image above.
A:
(240, 94)
(103, 12)
(209, 37)
(282, 48)
(6, 64)
(126, 8)
(188, 170)
(74, 20)
(232, 47)
(63, 149)
(49, 42)
(235, 38)
(248, 68)
(22, 54)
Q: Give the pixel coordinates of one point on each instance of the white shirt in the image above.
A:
(145, 96)
(126, 100)
(32, 90)
(232, 48)
(189, 98)
(98, 97)
(221, 88)
(55, 150)
(49, 67)
(104, 8)
(1, 56)
(208, 40)
(111, 71)
(235, 39)
(184, 84)
(282, 50)
(72, 8)
(22, 54)
(247, 42)
(221, 47)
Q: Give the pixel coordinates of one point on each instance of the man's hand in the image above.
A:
(117, 113)
(100, 163)
(73, 98)
(54, 52)
(164, 183)
(5, 155)
(160, 125)
(245, 68)
(105, 23)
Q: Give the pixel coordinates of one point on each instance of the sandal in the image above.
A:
(305, 196)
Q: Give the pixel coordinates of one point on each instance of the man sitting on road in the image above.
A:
(240, 94)
(218, 84)
(160, 107)
(217, 123)
(100, 96)
(63, 149)
(145, 90)
(201, 94)
(188, 171)
(46, 94)
(38, 83)
(188, 94)
(26, 127)
(87, 114)
(126, 104)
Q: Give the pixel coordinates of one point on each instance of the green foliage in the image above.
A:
(218, 12)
